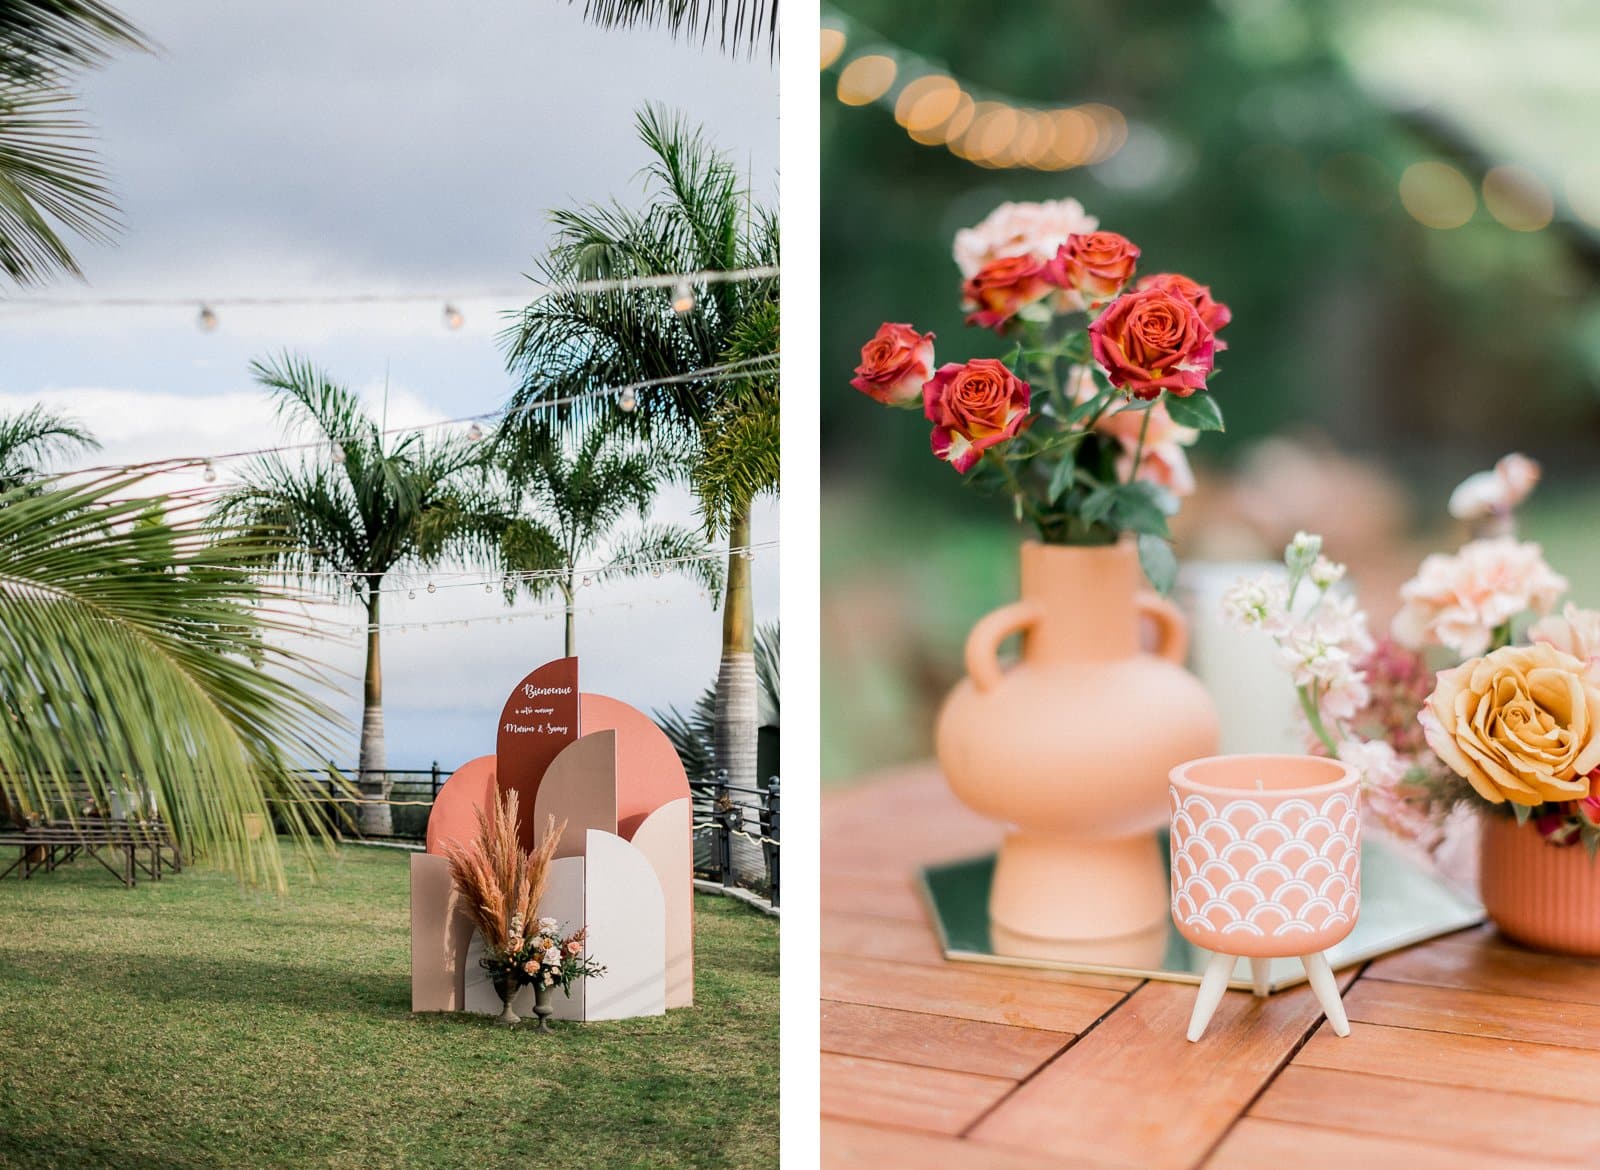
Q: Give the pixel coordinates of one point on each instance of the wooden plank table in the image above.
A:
(1466, 1053)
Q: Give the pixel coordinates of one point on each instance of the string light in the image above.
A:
(337, 452)
(474, 432)
(533, 289)
(432, 588)
(936, 109)
(587, 580)
(210, 475)
(411, 594)
(628, 400)
(682, 298)
(206, 322)
(452, 317)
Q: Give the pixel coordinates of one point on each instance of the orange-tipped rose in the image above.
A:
(1003, 288)
(1213, 312)
(1152, 340)
(973, 407)
(894, 365)
(1093, 268)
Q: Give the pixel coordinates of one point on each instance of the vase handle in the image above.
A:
(1172, 628)
(983, 644)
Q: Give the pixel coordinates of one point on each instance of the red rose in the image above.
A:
(894, 365)
(1153, 340)
(973, 407)
(1213, 312)
(1095, 266)
(1000, 289)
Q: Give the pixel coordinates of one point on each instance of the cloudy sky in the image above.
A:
(312, 148)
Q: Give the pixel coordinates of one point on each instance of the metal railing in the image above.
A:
(736, 829)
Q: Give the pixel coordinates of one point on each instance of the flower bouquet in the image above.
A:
(1084, 421)
(1082, 425)
(1479, 696)
(546, 957)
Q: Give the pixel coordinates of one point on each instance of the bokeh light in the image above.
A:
(866, 79)
(1437, 195)
(1518, 198)
(927, 103)
(832, 45)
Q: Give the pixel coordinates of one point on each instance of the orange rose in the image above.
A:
(1213, 312)
(894, 365)
(1093, 267)
(1153, 340)
(1004, 287)
(973, 407)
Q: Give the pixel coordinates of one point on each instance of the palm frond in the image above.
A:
(31, 438)
(740, 25)
(132, 650)
(666, 548)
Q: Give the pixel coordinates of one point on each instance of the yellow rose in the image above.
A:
(1520, 724)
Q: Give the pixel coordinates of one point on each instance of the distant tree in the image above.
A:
(364, 505)
(567, 498)
(32, 438)
(50, 179)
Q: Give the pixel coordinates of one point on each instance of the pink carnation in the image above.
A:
(1460, 600)
(1035, 230)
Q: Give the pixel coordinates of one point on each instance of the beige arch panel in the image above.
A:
(666, 838)
(580, 787)
(626, 914)
(441, 930)
(563, 899)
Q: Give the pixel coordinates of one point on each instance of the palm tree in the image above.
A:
(739, 22)
(132, 647)
(32, 438)
(49, 177)
(700, 218)
(365, 504)
(568, 500)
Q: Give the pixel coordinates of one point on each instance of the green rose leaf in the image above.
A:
(1159, 563)
(1199, 411)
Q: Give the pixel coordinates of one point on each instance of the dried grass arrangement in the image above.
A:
(502, 882)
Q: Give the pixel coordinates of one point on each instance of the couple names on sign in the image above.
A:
(540, 717)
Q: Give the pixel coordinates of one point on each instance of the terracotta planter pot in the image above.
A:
(1266, 863)
(1072, 745)
(1544, 896)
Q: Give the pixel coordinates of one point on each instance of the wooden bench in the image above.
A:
(126, 848)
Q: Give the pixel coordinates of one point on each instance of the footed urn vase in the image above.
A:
(1071, 748)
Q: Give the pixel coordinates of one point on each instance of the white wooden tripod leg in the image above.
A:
(1212, 984)
(1327, 992)
(1259, 983)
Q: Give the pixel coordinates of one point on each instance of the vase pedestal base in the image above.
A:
(1219, 969)
(1052, 892)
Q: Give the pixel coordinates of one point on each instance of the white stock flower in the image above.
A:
(1496, 492)
(1325, 573)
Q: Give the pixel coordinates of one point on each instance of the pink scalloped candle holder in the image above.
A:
(1266, 863)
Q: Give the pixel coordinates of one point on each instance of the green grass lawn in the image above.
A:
(190, 1024)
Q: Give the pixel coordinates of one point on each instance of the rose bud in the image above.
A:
(1003, 288)
(972, 408)
(1213, 312)
(894, 365)
(1093, 268)
(1153, 340)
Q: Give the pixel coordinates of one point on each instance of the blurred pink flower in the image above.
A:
(1164, 461)
(1459, 600)
(1496, 492)
(1576, 631)
(1020, 229)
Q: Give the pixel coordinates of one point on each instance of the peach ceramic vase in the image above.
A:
(1266, 863)
(1071, 747)
(1540, 895)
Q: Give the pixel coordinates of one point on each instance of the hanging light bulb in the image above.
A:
(628, 400)
(337, 452)
(682, 298)
(207, 320)
(655, 570)
(474, 432)
(587, 580)
(453, 318)
(210, 474)
(411, 594)
(488, 587)
(432, 588)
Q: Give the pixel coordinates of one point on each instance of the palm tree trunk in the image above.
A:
(572, 618)
(374, 784)
(737, 711)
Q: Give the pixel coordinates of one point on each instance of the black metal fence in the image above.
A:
(736, 829)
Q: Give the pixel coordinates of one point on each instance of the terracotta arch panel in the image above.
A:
(649, 773)
(455, 809)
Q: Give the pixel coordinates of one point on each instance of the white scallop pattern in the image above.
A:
(1255, 868)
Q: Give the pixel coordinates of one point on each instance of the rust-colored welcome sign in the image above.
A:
(539, 719)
